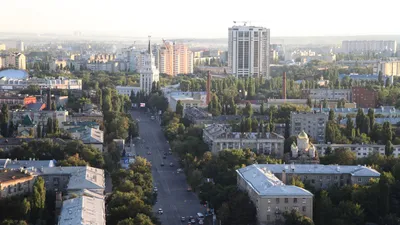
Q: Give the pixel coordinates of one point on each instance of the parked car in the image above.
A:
(183, 219)
(162, 164)
(155, 189)
(171, 164)
(160, 211)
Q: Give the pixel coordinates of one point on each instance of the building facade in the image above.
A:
(148, 73)
(127, 90)
(328, 94)
(39, 117)
(16, 60)
(391, 68)
(220, 137)
(271, 196)
(175, 58)
(248, 51)
(364, 46)
(15, 182)
(364, 97)
(312, 123)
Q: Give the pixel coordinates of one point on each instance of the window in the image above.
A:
(286, 208)
(268, 218)
(304, 209)
(304, 201)
(286, 200)
(295, 200)
(359, 179)
(336, 177)
(313, 181)
(277, 201)
(269, 209)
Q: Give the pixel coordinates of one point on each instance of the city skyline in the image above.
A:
(173, 19)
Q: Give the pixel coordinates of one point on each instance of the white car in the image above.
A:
(160, 211)
(201, 222)
(155, 189)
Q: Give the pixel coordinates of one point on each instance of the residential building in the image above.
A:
(313, 123)
(175, 58)
(17, 100)
(361, 150)
(16, 60)
(389, 68)
(187, 99)
(92, 115)
(80, 124)
(248, 51)
(15, 182)
(392, 120)
(271, 196)
(41, 117)
(83, 210)
(220, 137)
(127, 90)
(20, 46)
(111, 66)
(56, 65)
(89, 136)
(384, 111)
(196, 115)
(17, 164)
(364, 46)
(2, 47)
(43, 83)
(148, 73)
(364, 97)
(323, 176)
(328, 94)
(9, 143)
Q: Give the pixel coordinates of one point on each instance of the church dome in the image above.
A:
(302, 135)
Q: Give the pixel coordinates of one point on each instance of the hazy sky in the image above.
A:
(200, 18)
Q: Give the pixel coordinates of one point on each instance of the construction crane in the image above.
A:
(244, 22)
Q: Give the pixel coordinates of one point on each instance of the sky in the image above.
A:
(200, 18)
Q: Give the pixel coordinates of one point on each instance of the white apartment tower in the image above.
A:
(248, 51)
(148, 72)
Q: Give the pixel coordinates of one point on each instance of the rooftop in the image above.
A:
(223, 131)
(16, 164)
(10, 175)
(267, 184)
(83, 210)
(359, 171)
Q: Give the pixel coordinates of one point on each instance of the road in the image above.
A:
(173, 196)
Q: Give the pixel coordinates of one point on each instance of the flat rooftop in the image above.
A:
(9, 175)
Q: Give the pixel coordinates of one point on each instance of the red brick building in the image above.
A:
(364, 97)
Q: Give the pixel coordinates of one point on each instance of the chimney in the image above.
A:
(208, 99)
(284, 85)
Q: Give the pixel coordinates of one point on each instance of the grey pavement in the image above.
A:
(173, 196)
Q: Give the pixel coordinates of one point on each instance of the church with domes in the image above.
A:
(304, 151)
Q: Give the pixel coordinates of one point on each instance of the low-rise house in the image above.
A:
(89, 136)
(271, 196)
(220, 137)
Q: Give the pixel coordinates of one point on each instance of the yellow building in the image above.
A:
(391, 68)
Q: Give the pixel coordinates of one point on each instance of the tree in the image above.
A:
(325, 103)
(295, 218)
(4, 120)
(56, 128)
(179, 108)
(371, 115)
(237, 210)
(388, 148)
(25, 208)
(248, 110)
(38, 197)
(38, 131)
(297, 182)
(360, 118)
(331, 115)
(323, 209)
(262, 108)
(340, 156)
(387, 133)
(49, 126)
(350, 127)
(107, 105)
(309, 103)
(53, 106)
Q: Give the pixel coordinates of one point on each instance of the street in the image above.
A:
(173, 197)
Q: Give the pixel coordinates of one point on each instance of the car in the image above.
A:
(171, 164)
(201, 222)
(192, 221)
(162, 164)
(164, 157)
(160, 211)
(189, 189)
(155, 189)
(165, 153)
(148, 153)
(179, 170)
(169, 153)
(183, 219)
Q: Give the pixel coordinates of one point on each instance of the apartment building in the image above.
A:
(323, 176)
(390, 68)
(313, 123)
(384, 111)
(17, 100)
(15, 182)
(188, 99)
(361, 150)
(364, 46)
(249, 51)
(328, 94)
(271, 196)
(83, 209)
(220, 137)
(364, 97)
(175, 58)
(16, 60)
(43, 83)
(89, 136)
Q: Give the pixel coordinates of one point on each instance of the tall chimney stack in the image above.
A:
(208, 99)
(284, 86)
